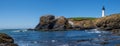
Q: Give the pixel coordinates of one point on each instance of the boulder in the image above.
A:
(109, 22)
(6, 40)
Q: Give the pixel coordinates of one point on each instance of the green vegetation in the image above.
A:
(82, 18)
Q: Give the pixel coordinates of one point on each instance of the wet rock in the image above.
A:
(83, 40)
(116, 31)
(8, 44)
(104, 42)
(6, 40)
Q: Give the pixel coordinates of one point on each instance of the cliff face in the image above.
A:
(109, 22)
(46, 22)
(49, 22)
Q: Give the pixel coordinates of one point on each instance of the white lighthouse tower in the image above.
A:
(103, 12)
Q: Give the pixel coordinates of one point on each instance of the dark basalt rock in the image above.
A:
(6, 40)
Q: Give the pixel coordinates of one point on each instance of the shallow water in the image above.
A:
(92, 37)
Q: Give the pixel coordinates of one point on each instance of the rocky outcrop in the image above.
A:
(83, 24)
(6, 40)
(116, 32)
(60, 23)
(50, 22)
(46, 22)
(109, 22)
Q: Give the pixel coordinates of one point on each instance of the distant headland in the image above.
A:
(51, 22)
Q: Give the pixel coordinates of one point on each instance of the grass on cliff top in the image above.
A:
(82, 18)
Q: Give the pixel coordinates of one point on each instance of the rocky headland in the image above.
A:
(6, 40)
(51, 22)
(109, 23)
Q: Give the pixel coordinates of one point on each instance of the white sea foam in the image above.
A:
(20, 30)
(94, 31)
(53, 40)
(64, 45)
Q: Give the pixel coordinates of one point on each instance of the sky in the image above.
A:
(26, 13)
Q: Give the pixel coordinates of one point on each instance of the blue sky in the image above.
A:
(26, 13)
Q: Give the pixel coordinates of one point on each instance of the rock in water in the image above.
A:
(6, 40)
(109, 22)
(49, 22)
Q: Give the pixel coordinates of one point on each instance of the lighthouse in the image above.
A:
(103, 11)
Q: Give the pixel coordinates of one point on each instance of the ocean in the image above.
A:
(93, 37)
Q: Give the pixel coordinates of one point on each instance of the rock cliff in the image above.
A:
(50, 22)
(109, 22)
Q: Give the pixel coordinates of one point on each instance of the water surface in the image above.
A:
(92, 37)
